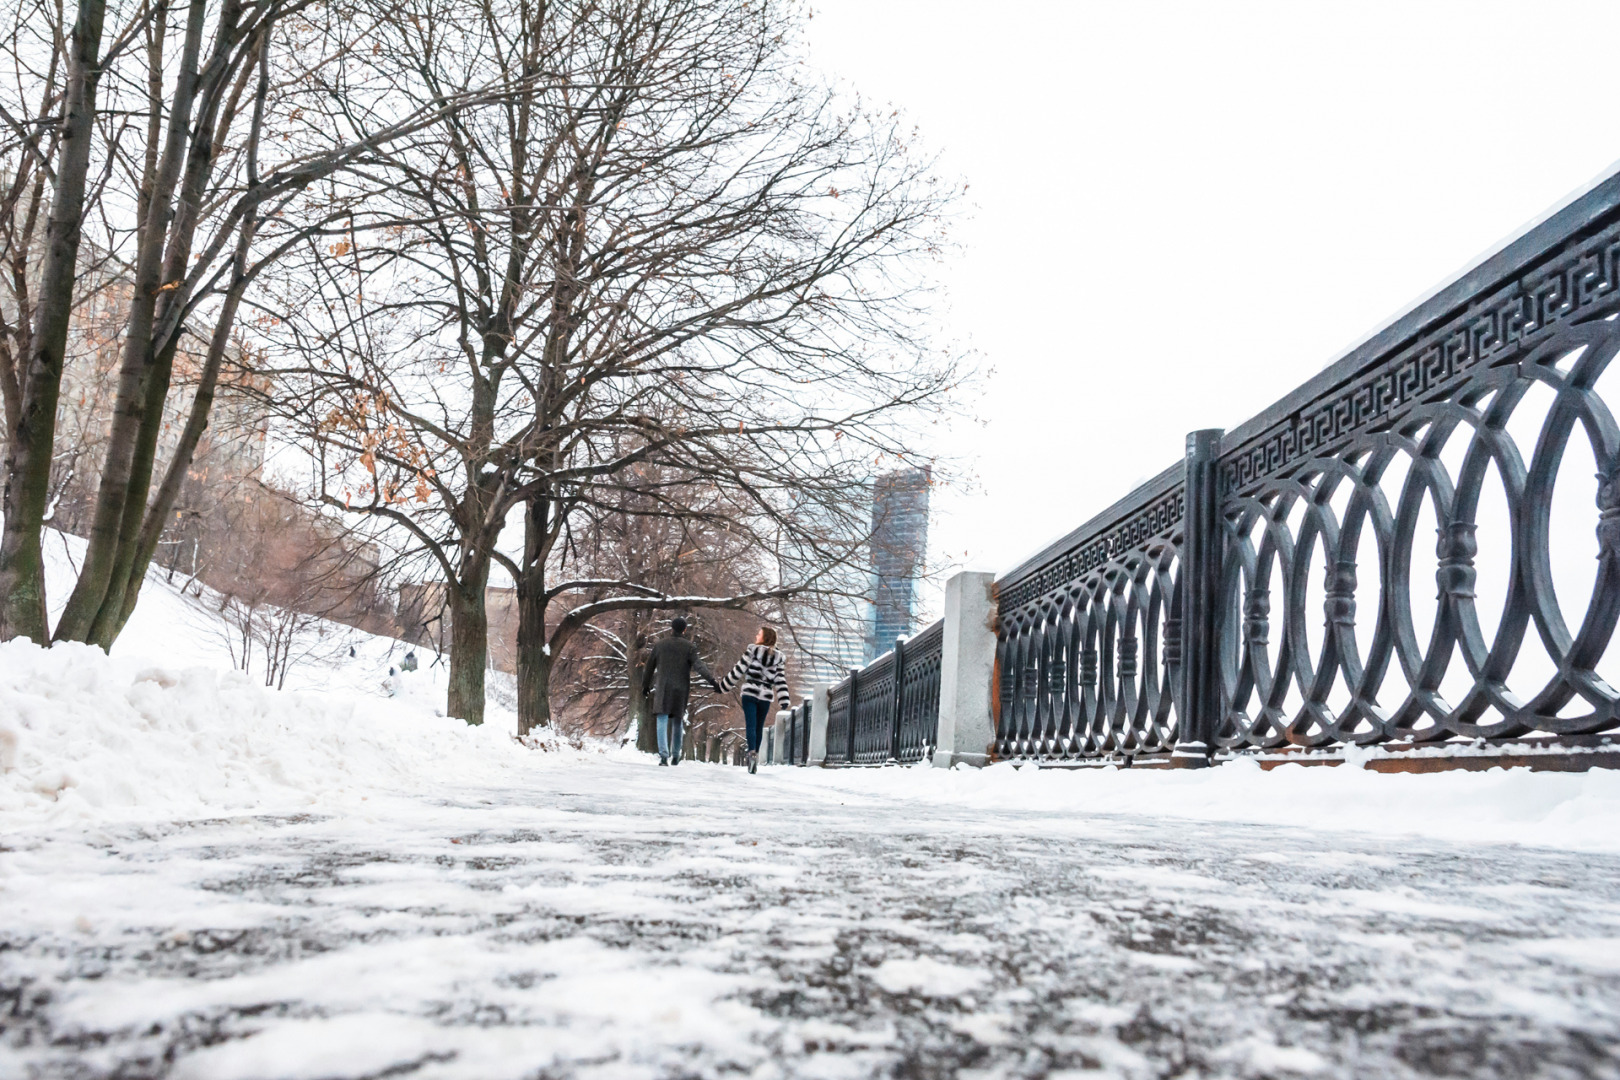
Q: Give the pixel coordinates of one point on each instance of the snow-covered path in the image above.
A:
(619, 920)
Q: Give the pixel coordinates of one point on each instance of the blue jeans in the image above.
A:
(669, 737)
(754, 713)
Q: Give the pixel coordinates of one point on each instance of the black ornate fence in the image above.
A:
(888, 710)
(1272, 590)
(796, 748)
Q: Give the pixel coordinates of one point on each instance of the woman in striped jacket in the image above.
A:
(762, 671)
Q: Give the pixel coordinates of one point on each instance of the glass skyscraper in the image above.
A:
(899, 546)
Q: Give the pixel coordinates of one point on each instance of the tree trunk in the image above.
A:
(533, 657)
(110, 613)
(534, 647)
(33, 439)
(129, 561)
(640, 708)
(137, 367)
(469, 646)
(152, 526)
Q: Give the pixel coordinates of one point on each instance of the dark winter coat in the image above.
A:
(667, 679)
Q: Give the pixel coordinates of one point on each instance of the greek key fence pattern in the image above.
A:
(1375, 673)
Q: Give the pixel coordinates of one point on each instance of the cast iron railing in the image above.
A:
(801, 755)
(796, 750)
(916, 728)
(1481, 416)
(888, 710)
(1080, 627)
(838, 727)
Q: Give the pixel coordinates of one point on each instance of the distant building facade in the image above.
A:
(899, 545)
(822, 655)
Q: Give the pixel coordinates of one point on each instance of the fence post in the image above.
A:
(854, 711)
(899, 698)
(967, 668)
(816, 752)
(1200, 590)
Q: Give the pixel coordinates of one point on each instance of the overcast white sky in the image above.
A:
(1182, 210)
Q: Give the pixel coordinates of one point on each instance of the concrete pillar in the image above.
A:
(818, 724)
(967, 671)
(779, 738)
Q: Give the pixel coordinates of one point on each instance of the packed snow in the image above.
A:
(587, 915)
(203, 877)
(85, 737)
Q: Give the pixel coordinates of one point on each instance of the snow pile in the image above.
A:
(87, 736)
(1574, 811)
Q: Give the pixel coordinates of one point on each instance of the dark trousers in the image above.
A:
(755, 712)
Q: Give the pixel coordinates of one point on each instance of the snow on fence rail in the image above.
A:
(1270, 595)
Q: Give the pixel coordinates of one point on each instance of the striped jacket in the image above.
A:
(763, 674)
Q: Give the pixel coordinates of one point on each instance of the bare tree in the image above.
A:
(677, 253)
(242, 107)
(698, 551)
(33, 46)
(33, 382)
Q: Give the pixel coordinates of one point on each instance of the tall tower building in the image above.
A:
(899, 545)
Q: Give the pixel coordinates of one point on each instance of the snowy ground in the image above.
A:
(600, 917)
(204, 878)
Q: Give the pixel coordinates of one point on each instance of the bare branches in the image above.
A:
(658, 275)
(196, 160)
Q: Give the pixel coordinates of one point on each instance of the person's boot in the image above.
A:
(663, 761)
(753, 762)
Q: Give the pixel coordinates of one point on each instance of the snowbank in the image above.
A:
(1575, 811)
(85, 736)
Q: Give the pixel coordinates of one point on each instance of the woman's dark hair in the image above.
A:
(769, 634)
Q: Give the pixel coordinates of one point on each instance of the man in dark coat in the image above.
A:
(667, 680)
